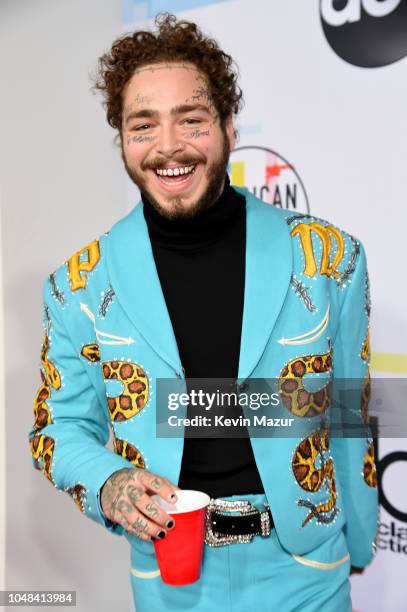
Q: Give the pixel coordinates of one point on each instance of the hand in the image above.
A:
(125, 500)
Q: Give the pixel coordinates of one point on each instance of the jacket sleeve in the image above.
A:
(352, 447)
(71, 425)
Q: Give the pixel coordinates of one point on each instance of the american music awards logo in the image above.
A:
(138, 10)
(392, 532)
(269, 176)
(366, 33)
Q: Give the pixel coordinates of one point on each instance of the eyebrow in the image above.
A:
(147, 113)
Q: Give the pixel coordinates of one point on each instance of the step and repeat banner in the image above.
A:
(323, 132)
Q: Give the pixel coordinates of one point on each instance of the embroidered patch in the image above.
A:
(104, 337)
(303, 292)
(369, 466)
(291, 388)
(55, 291)
(81, 263)
(51, 373)
(78, 494)
(51, 377)
(365, 351)
(367, 304)
(136, 389)
(129, 452)
(91, 352)
(311, 335)
(108, 298)
(329, 236)
(298, 217)
(42, 450)
(42, 414)
(350, 268)
(311, 478)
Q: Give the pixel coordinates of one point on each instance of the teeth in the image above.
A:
(175, 171)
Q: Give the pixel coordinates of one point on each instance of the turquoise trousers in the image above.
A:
(257, 577)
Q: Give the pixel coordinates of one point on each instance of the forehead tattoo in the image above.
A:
(201, 94)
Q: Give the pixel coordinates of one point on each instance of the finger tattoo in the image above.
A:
(134, 493)
(156, 483)
(152, 510)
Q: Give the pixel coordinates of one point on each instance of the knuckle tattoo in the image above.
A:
(134, 493)
(152, 510)
(157, 483)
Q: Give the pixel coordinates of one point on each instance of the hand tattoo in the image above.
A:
(134, 494)
(156, 483)
(152, 510)
(140, 525)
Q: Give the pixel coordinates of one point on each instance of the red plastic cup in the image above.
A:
(179, 554)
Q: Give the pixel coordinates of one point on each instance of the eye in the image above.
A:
(190, 121)
(141, 128)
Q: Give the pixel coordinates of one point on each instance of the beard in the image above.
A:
(215, 174)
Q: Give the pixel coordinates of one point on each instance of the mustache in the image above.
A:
(159, 162)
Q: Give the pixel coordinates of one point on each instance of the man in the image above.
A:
(202, 280)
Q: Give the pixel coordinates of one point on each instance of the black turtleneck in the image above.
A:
(201, 267)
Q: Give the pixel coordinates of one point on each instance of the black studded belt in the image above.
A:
(227, 522)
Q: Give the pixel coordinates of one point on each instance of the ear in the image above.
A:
(230, 132)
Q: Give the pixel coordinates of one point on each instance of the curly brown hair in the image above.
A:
(174, 41)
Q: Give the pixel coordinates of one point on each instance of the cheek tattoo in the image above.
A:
(197, 133)
(140, 139)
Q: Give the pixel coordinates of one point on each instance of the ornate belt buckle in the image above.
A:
(227, 508)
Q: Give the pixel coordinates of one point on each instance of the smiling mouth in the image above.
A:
(176, 179)
(175, 172)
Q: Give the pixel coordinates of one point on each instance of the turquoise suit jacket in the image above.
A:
(108, 337)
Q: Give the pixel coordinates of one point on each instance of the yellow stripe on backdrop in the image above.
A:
(389, 362)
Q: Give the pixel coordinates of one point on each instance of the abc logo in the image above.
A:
(366, 33)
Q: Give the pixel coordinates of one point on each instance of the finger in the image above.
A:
(143, 502)
(139, 533)
(156, 514)
(159, 485)
(137, 524)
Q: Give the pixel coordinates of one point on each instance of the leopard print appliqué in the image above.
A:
(369, 466)
(91, 352)
(42, 414)
(295, 397)
(365, 352)
(49, 378)
(78, 494)
(51, 373)
(42, 449)
(136, 389)
(129, 452)
(311, 478)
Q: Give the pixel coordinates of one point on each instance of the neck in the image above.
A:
(202, 229)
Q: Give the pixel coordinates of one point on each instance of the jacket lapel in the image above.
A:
(134, 278)
(268, 273)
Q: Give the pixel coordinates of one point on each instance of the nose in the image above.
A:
(168, 143)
